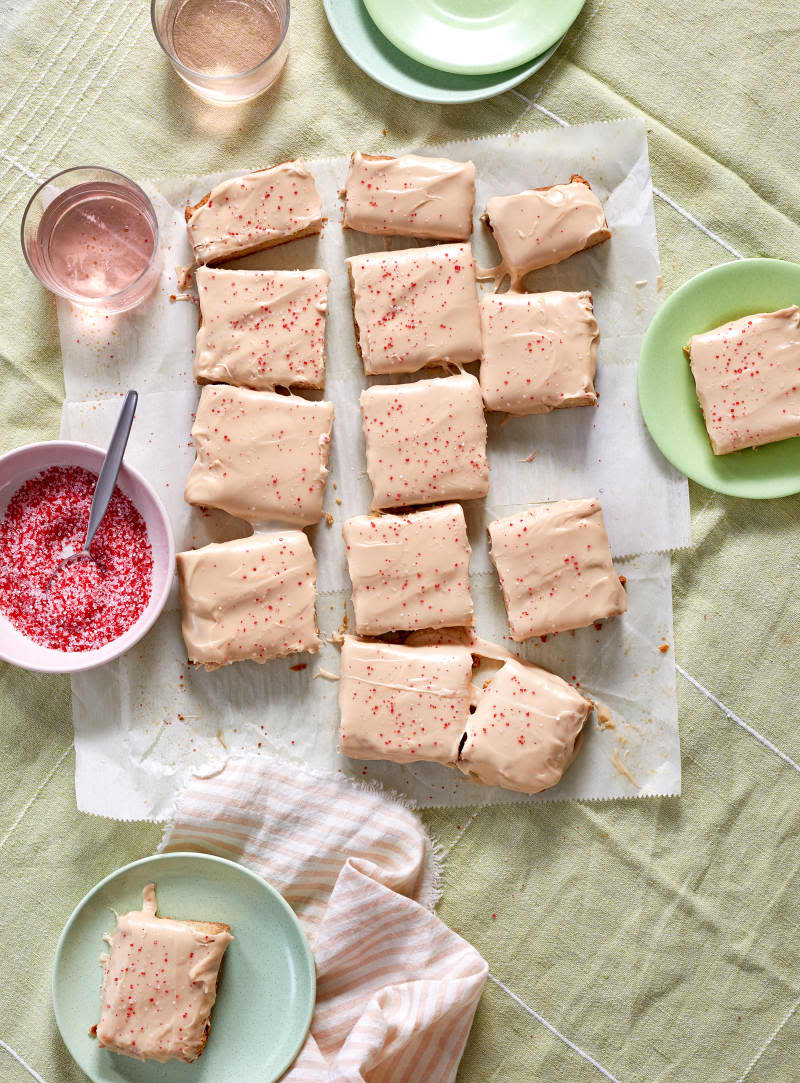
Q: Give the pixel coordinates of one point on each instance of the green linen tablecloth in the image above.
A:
(636, 940)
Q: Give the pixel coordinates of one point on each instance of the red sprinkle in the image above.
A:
(89, 603)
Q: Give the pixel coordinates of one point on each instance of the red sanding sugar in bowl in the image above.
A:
(89, 602)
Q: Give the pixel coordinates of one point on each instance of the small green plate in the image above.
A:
(473, 37)
(374, 54)
(666, 388)
(266, 992)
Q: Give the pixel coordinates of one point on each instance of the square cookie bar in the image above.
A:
(426, 441)
(526, 730)
(260, 456)
(415, 308)
(409, 571)
(410, 196)
(160, 980)
(555, 568)
(258, 210)
(251, 598)
(539, 351)
(747, 375)
(403, 703)
(542, 226)
(261, 329)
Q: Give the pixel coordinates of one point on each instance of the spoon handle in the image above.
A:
(107, 479)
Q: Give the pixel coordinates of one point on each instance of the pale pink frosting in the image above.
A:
(539, 351)
(255, 211)
(409, 571)
(159, 985)
(251, 598)
(747, 375)
(404, 704)
(261, 329)
(260, 456)
(410, 196)
(426, 441)
(555, 568)
(401, 703)
(415, 308)
(462, 637)
(542, 226)
(526, 730)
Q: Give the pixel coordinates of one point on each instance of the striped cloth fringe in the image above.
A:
(396, 989)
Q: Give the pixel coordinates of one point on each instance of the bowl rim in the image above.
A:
(80, 661)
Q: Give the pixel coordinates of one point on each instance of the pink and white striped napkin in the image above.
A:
(396, 989)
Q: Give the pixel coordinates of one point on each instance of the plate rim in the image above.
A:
(433, 97)
(734, 487)
(493, 68)
(194, 854)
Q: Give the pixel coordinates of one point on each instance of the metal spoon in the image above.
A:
(107, 479)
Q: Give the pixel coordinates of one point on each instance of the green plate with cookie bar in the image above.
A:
(750, 393)
(245, 1019)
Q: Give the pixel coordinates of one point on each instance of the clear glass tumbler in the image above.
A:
(227, 51)
(91, 235)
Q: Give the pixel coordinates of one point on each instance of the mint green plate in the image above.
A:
(473, 37)
(374, 54)
(666, 387)
(267, 986)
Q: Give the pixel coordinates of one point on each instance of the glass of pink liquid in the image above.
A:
(91, 235)
(227, 51)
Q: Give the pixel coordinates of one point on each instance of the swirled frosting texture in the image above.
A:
(410, 196)
(409, 571)
(539, 351)
(416, 307)
(542, 226)
(526, 730)
(747, 375)
(261, 329)
(260, 456)
(258, 210)
(555, 568)
(159, 984)
(251, 598)
(426, 441)
(403, 703)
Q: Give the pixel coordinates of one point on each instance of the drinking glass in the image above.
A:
(227, 51)
(91, 235)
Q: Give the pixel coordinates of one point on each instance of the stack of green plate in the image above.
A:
(450, 51)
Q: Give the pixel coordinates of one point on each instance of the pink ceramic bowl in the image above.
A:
(19, 466)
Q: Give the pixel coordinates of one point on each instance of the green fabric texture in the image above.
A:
(657, 936)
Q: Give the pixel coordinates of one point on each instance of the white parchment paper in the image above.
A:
(142, 722)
